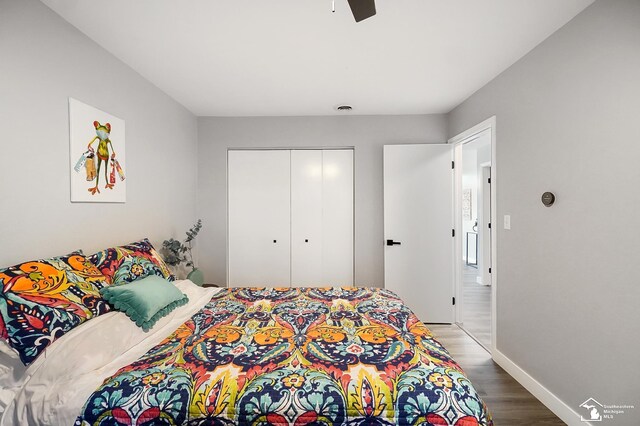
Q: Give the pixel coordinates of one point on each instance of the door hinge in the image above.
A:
(489, 180)
(489, 270)
(489, 225)
(453, 232)
(454, 300)
(453, 164)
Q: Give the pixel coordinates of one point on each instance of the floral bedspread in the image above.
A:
(293, 356)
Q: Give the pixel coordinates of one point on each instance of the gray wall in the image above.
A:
(567, 117)
(568, 289)
(43, 61)
(366, 133)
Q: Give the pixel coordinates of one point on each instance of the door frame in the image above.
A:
(457, 141)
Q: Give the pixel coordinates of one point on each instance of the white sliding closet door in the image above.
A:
(337, 217)
(322, 218)
(259, 218)
(306, 217)
(290, 218)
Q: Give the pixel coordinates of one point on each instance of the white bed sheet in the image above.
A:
(60, 381)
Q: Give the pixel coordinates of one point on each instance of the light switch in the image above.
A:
(507, 221)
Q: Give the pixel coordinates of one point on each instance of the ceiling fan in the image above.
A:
(362, 9)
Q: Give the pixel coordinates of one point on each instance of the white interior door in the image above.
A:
(337, 217)
(259, 218)
(418, 214)
(306, 217)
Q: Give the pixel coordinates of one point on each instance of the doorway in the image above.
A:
(475, 244)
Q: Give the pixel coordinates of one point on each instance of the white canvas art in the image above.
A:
(97, 155)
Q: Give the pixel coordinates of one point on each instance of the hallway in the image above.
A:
(477, 307)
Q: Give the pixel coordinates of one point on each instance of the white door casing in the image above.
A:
(488, 125)
(418, 213)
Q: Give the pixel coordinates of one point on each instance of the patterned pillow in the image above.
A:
(41, 300)
(125, 264)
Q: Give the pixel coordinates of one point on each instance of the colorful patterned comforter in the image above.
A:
(293, 356)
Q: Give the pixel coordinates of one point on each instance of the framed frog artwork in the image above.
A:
(97, 155)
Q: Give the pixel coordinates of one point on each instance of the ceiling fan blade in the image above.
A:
(362, 9)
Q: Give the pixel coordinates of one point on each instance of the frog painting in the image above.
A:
(103, 131)
(97, 172)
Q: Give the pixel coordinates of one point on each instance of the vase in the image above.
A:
(196, 277)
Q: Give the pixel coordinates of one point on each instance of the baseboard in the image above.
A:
(544, 395)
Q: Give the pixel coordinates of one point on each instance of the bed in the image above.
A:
(248, 356)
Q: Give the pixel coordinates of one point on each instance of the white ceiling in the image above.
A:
(295, 57)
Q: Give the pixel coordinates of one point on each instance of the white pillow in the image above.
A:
(192, 290)
(12, 374)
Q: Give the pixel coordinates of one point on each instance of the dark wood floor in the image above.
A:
(509, 403)
(476, 315)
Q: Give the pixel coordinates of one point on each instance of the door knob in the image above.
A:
(393, 243)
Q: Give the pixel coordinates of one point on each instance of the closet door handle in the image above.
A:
(393, 243)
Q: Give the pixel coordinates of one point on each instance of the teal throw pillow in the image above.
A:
(146, 300)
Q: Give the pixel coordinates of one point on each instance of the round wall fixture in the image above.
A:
(344, 108)
(548, 198)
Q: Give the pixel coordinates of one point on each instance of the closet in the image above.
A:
(290, 217)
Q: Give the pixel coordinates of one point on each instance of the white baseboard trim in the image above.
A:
(544, 395)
